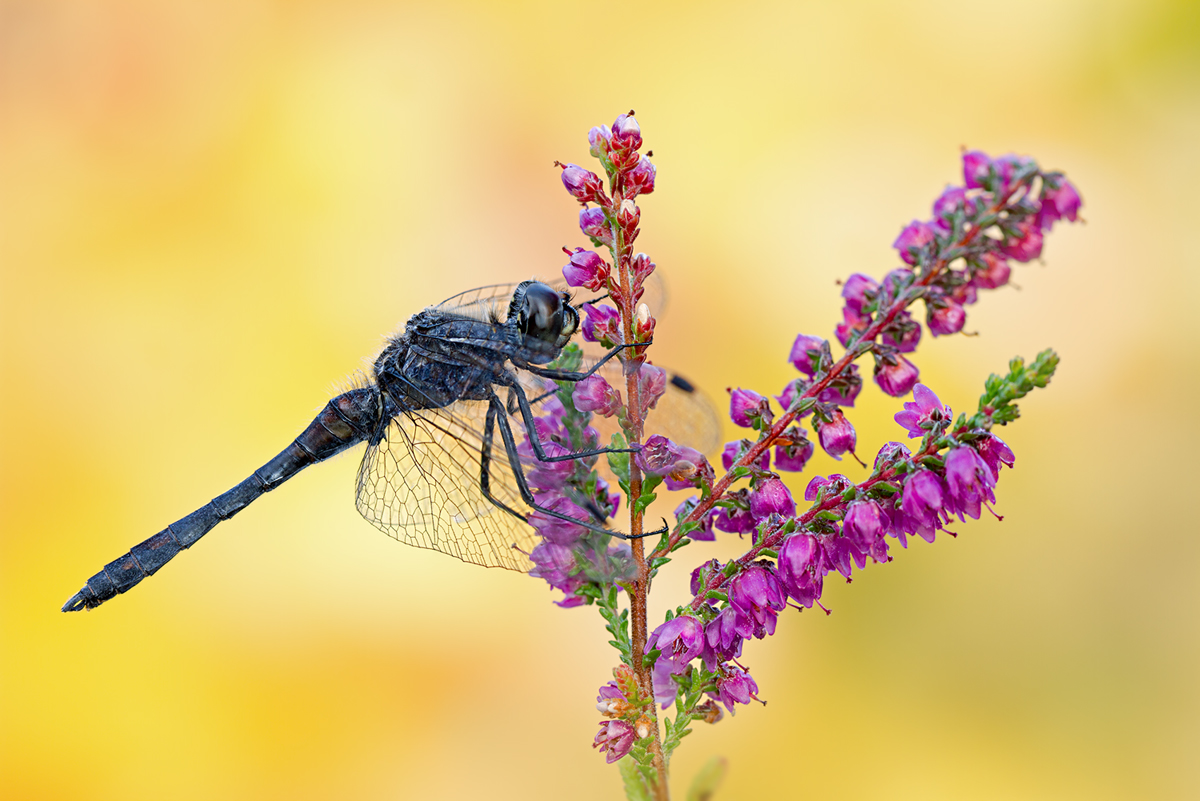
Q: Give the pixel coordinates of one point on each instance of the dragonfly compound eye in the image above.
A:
(542, 313)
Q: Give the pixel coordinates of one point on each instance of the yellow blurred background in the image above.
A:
(211, 212)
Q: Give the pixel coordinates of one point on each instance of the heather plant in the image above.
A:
(690, 662)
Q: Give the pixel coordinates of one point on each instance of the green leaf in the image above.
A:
(643, 502)
(636, 788)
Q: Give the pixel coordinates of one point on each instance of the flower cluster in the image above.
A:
(977, 230)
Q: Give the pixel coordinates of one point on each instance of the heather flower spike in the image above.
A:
(697, 658)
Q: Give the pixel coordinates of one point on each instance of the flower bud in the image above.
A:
(594, 224)
(616, 737)
(641, 268)
(732, 449)
(856, 289)
(995, 272)
(584, 185)
(805, 351)
(652, 383)
(976, 166)
(586, 269)
(628, 214)
(837, 436)
(1026, 245)
(896, 375)
(626, 133)
(600, 139)
(640, 180)
(594, 394)
(915, 236)
(944, 317)
(770, 496)
(747, 406)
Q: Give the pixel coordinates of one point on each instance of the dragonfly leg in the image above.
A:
(572, 375)
(497, 417)
(485, 464)
(536, 441)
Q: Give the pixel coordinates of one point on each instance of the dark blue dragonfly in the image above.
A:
(442, 468)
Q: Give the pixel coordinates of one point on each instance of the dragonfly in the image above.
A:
(439, 415)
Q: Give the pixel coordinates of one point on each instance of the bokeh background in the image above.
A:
(211, 212)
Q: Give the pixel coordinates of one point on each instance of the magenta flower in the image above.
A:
(555, 529)
(944, 317)
(736, 520)
(594, 223)
(836, 483)
(836, 436)
(746, 406)
(853, 322)
(735, 686)
(586, 269)
(705, 532)
(770, 496)
(795, 455)
(756, 596)
(922, 503)
(976, 166)
(1059, 203)
(679, 641)
(798, 566)
(732, 449)
(1026, 245)
(951, 201)
(995, 272)
(652, 383)
(616, 738)
(923, 408)
(584, 185)
(594, 394)
(994, 452)
(865, 525)
(806, 351)
(601, 324)
(896, 375)
(969, 482)
(915, 236)
(721, 639)
(856, 289)
(660, 456)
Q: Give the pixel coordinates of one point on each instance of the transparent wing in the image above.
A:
(491, 302)
(420, 485)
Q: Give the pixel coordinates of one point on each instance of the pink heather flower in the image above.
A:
(903, 333)
(652, 383)
(951, 201)
(976, 165)
(660, 456)
(600, 324)
(721, 639)
(616, 738)
(915, 236)
(994, 452)
(593, 223)
(854, 323)
(546, 475)
(921, 504)
(790, 392)
(843, 390)
(1059, 203)
(626, 133)
(640, 179)
(757, 598)
(795, 455)
(1006, 167)
(837, 436)
(896, 375)
(1027, 244)
(596, 395)
(555, 529)
(944, 317)
(679, 641)
(798, 563)
(770, 496)
(584, 185)
(586, 269)
(736, 520)
(555, 564)
(856, 289)
(836, 483)
(599, 141)
(969, 482)
(864, 525)
(805, 351)
(734, 686)
(995, 272)
(746, 406)
(732, 449)
(923, 408)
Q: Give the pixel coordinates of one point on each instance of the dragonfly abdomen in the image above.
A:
(344, 421)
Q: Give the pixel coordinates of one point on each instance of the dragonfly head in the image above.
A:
(544, 314)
